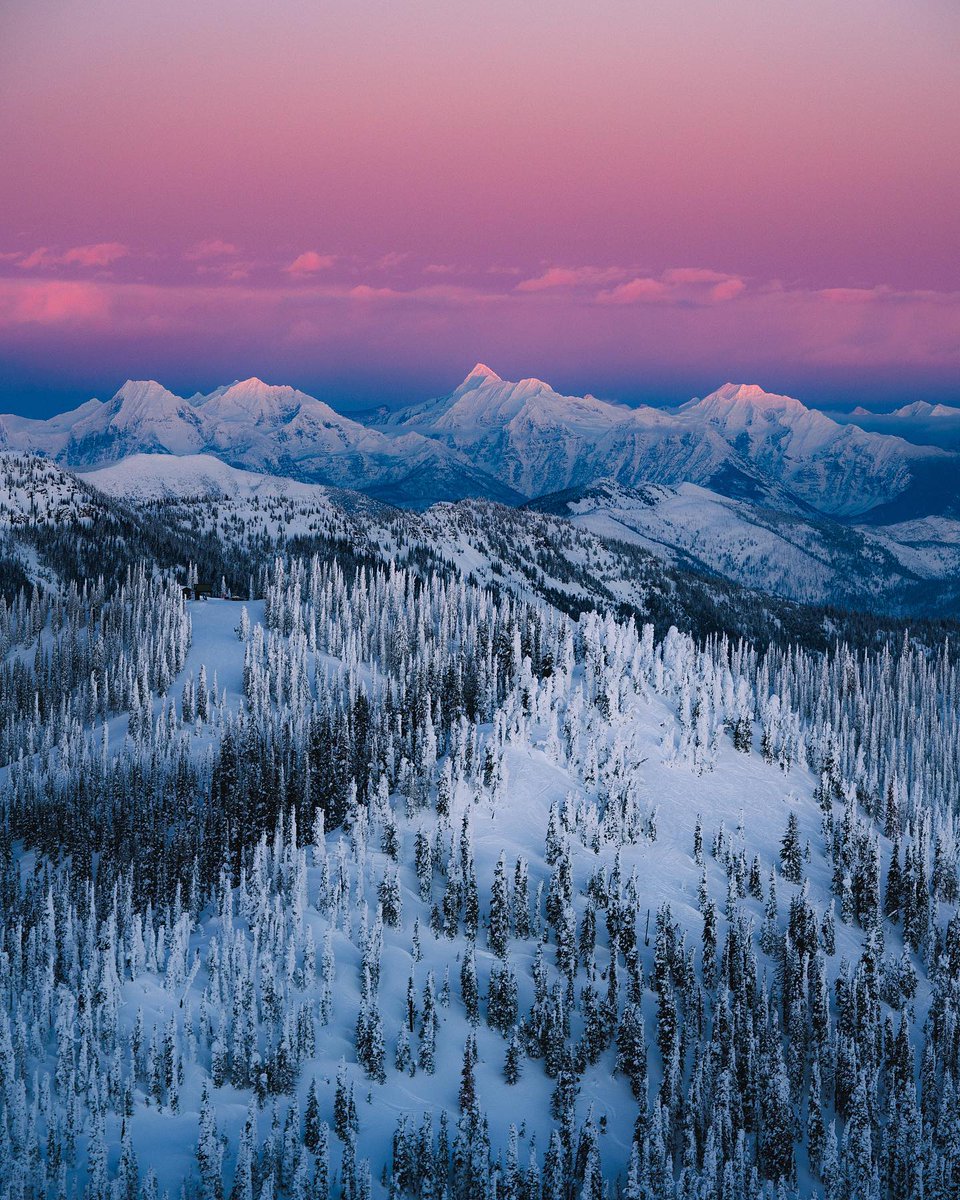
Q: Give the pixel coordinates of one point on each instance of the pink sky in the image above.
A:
(363, 197)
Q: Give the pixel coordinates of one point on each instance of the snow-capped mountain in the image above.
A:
(143, 415)
(919, 422)
(836, 469)
(540, 441)
(260, 427)
(513, 441)
(812, 559)
(740, 441)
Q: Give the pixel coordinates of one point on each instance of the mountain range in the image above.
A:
(743, 484)
(919, 422)
(505, 441)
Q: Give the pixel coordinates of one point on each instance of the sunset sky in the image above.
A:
(641, 198)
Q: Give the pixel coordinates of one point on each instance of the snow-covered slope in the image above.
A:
(909, 567)
(837, 469)
(143, 415)
(260, 427)
(47, 436)
(379, 886)
(36, 492)
(714, 562)
(191, 476)
(739, 440)
(510, 441)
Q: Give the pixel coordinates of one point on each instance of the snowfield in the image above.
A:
(479, 850)
(453, 946)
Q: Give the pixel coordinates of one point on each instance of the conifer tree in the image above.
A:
(791, 852)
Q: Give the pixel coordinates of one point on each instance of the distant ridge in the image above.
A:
(510, 441)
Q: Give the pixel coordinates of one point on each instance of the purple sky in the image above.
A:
(363, 198)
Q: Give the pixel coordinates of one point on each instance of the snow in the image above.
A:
(489, 432)
(747, 797)
(248, 424)
(802, 559)
(540, 441)
(553, 743)
(161, 476)
(532, 781)
(919, 422)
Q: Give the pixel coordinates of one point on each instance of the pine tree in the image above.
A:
(499, 927)
(468, 1086)
(513, 1061)
(857, 1156)
(321, 1167)
(892, 894)
(469, 989)
(791, 852)
(369, 1040)
(521, 900)
(828, 936)
(710, 945)
(311, 1128)
(344, 1118)
(209, 1152)
(502, 999)
(632, 1051)
(403, 1058)
(128, 1171)
(391, 905)
(423, 860)
(816, 1128)
(426, 1053)
(775, 1137)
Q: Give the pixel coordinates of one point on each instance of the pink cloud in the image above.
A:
(41, 257)
(363, 291)
(677, 285)
(55, 302)
(212, 248)
(728, 289)
(226, 270)
(681, 275)
(99, 254)
(716, 326)
(568, 277)
(309, 262)
(392, 259)
(639, 290)
(852, 295)
(437, 292)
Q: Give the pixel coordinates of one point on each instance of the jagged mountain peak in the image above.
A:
(522, 436)
(266, 404)
(747, 397)
(923, 408)
(250, 391)
(483, 374)
(145, 394)
(746, 392)
(254, 386)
